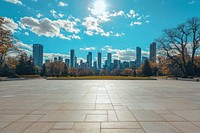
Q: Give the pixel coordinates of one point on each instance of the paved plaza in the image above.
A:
(97, 106)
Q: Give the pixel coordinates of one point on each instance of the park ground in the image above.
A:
(99, 106)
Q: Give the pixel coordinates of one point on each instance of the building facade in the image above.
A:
(138, 56)
(38, 55)
(72, 58)
(99, 60)
(152, 55)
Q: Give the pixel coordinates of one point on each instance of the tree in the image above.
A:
(43, 72)
(6, 71)
(126, 72)
(6, 42)
(25, 65)
(146, 70)
(65, 71)
(181, 43)
(73, 72)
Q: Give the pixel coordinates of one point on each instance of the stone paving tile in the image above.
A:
(30, 118)
(39, 128)
(104, 106)
(4, 124)
(144, 115)
(6, 118)
(16, 127)
(112, 116)
(86, 127)
(118, 125)
(174, 118)
(190, 115)
(186, 127)
(63, 126)
(96, 118)
(122, 131)
(60, 116)
(197, 123)
(159, 127)
(125, 116)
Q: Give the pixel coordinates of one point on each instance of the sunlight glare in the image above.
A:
(99, 6)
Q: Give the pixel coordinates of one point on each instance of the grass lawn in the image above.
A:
(101, 78)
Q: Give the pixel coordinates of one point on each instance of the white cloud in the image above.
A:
(192, 2)
(53, 13)
(49, 28)
(88, 49)
(10, 25)
(26, 33)
(132, 14)
(62, 4)
(24, 46)
(136, 23)
(123, 54)
(14, 2)
(119, 34)
(39, 15)
(61, 15)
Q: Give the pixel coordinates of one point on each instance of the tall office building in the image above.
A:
(67, 62)
(72, 58)
(55, 59)
(152, 55)
(138, 56)
(60, 59)
(116, 64)
(38, 55)
(89, 60)
(95, 65)
(144, 59)
(109, 59)
(99, 60)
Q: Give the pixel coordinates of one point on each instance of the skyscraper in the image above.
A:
(138, 56)
(152, 55)
(67, 62)
(144, 59)
(99, 60)
(89, 60)
(38, 55)
(60, 59)
(109, 59)
(72, 58)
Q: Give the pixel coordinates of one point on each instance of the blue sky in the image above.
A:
(116, 26)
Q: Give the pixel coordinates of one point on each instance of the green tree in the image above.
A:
(6, 71)
(146, 70)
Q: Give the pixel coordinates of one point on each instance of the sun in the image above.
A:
(99, 6)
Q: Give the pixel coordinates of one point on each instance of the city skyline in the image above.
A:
(117, 28)
(109, 63)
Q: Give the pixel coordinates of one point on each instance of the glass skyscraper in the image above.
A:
(138, 56)
(99, 60)
(152, 55)
(38, 55)
(72, 58)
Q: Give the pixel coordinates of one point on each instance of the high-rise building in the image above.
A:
(95, 65)
(76, 63)
(67, 62)
(72, 58)
(60, 59)
(89, 60)
(55, 59)
(99, 60)
(38, 55)
(152, 55)
(143, 59)
(138, 56)
(109, 59)
(132, 64)
(116, 64)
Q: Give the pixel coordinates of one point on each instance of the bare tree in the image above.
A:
(181, 43)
